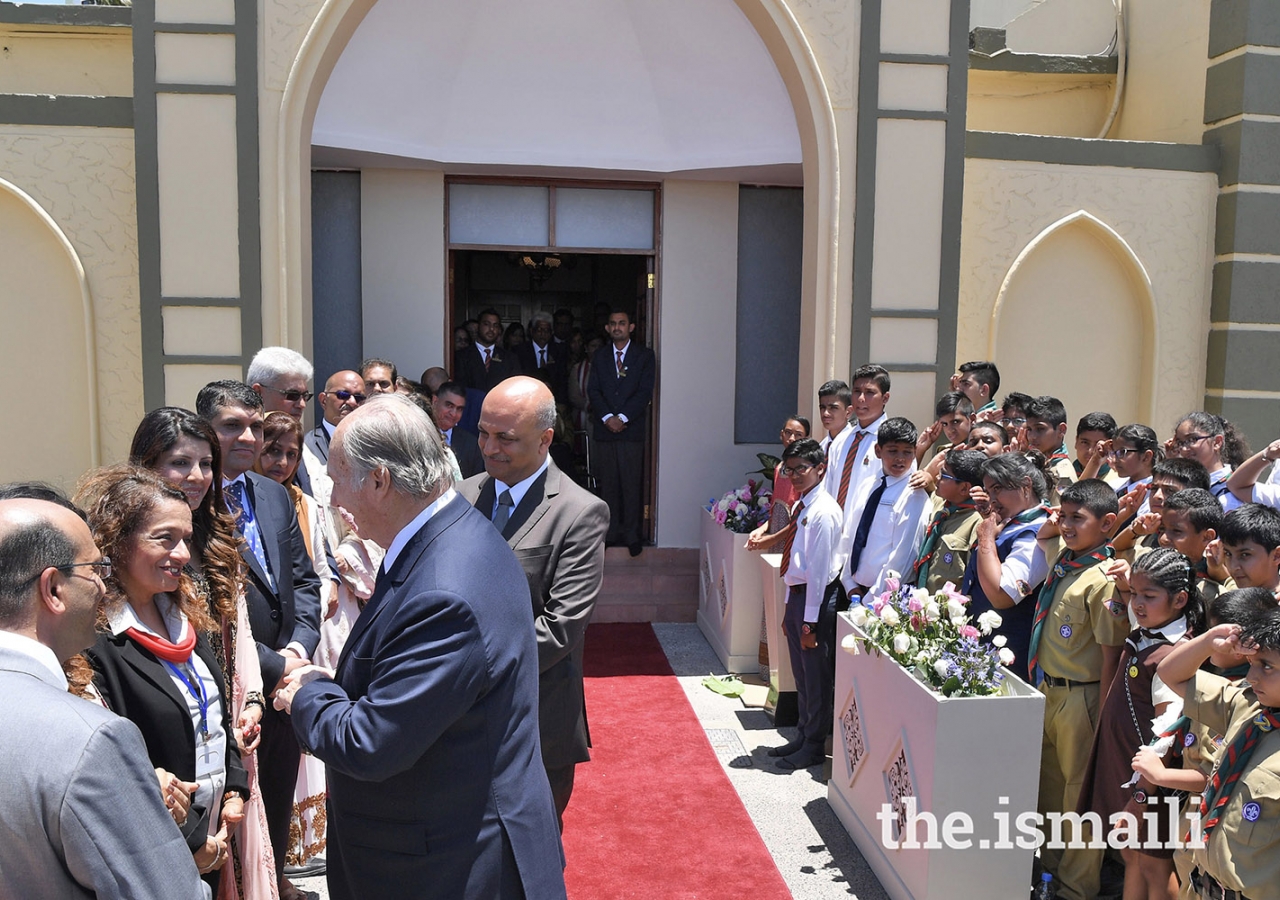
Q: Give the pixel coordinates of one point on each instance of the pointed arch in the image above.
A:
(1140, 291)
(88, 333)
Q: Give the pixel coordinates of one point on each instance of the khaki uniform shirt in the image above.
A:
(955, 542)
(1086, 616)
(1243, 851)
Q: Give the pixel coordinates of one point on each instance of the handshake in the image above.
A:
(297, 672)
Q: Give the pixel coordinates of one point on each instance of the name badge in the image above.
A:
(1065, 631)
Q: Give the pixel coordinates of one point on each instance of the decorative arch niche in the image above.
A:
(1076, 318)
(49, 336)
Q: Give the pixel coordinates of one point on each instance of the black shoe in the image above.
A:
(801, 759)
(309, 869)
(786, 749)
(635, 548)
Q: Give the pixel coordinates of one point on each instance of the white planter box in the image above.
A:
(774, 597)
(896, 738)
(729, 603)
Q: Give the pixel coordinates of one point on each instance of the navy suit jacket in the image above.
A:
(628, 396)
(429, 732)
(468, 368)
(291, 612)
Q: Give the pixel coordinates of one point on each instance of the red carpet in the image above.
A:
(653, 816)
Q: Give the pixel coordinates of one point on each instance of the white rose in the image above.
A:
(849, 644)
(723, 505)
(901, 643)
(989, 621)
(921, 658)
(889, 573)
(942, 667)
(932, 611)
(1006, 656)
(999, 640)
(890, 616)
(955, 609)
(958, 621)
(858, 615)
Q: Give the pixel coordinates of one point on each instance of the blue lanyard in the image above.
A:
(196, 689)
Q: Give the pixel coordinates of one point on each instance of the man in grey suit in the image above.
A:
(81, 813)
(557, 531)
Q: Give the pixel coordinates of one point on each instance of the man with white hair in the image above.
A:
(280, 377)
(540, 358)
(429, 726)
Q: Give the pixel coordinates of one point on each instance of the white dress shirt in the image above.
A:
(896, 531)
(1226, 498)
(815, 559)
(517, 490)
(614, 350)
(1129, 484)
(20, 643)
(865, 468)
(406, 533)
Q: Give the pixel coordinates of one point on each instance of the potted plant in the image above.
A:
(929, 722)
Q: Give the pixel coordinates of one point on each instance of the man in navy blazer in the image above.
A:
(282, 590)
(429, 727)
(620, 388)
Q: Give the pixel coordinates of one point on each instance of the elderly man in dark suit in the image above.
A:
(557, 532)
(80, 808)
(448, 405)
(620, 388)
(542, 358)
(427, 728)
(282, 590)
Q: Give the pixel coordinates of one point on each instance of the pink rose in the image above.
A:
(969, 631)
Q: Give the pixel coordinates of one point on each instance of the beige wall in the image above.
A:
(45, 340)
(1131, 227)
(45, 60)
(402, 266)
(697, 357)
(84, 179)
(1033, 103)
(1168, 58)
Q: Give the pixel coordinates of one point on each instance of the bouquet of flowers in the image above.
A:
(743, 510)
(933, 638)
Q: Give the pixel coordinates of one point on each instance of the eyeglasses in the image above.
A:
(787, 432)
(1122, 452)
(102, 567)
(344, 396)
(793, 471)
(1013, 423)
(292, 396)
(943, 476)
(1189, 441)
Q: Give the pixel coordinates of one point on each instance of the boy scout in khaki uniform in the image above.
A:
(957, 534)
(1081, 624)
(1240, 815)
(953, 523)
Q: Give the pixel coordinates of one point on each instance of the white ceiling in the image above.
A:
(655, 86)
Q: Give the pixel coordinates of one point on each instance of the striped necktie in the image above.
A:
(1066, 565)
(846, 474)
(933, 534)
(247, 525)
(791, 538)
(488, 357)
(1231, 766)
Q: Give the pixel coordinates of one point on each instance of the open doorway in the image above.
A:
(578, 290)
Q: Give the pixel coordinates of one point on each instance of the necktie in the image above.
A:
(620, 369)
(1065, 566)
(503, 512)
(542, 357)
(847, 472)
(1231, 766)
(932, 534)
(790, 539)
(864, 524)
(246, 524)
(488, 357)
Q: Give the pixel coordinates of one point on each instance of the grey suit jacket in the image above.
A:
(557, 533)
(80, 808)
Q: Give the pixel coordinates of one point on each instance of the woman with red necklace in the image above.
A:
(154, 665)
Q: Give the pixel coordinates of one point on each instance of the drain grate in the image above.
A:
(726, 743)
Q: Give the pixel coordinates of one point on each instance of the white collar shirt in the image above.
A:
(30, 647)
(866, 468)
(406, 533)
(517, 490)
(815, 560)
(895, 535)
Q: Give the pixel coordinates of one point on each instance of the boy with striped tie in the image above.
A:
(1240, 811)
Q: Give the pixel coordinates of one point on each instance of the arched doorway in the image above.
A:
(785, 50)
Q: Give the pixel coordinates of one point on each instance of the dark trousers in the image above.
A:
(807, 669)
(278, 757)
(561, 779)
(835, 600)
(620, 471)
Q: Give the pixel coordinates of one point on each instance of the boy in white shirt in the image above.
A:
(810, 569)
(886, 526)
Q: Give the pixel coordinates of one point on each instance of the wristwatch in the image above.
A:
(809, 628)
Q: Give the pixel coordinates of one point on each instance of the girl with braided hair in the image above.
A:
(1162, 597)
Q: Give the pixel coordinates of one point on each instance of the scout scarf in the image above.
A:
(1232, 765)
(932, 535)
(1066, 565)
